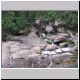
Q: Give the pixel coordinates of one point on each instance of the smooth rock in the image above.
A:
(64, 50)
(23, 54)
(14, 49)
(67, 53)
(43, 46)
(10, 43)
(63, 34)
(32, 34)
(64, 44)
(61, 58)
(38, 62)
(31, 62)
(43, 36)
(58, 50)
(58, 39)
(26, 46)
(16, 38)
(49, 41)
(16, 55)
(13, 43)
(36, 41)
(48, 52)
(37, 49)
(52, 37)
(19, 63)
(34, 55)
(51, 47)
(67, 49)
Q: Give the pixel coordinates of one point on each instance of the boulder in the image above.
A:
(14, 49)
(43, 36)
(61, 50)
(43, 46)
(52, 37)
(58, 50)
(16, 55)
(61, 58)
(49, 41)
(23, 54)
(64, 44)
(68, 49)
(34, 55)
(55, 60)
(50, 47)
(38, 62)
(66, 53)
(26, 46)
(15, 39)
(18, 63)
(36, 41)
(31, 62)
(32, 34)
(37, 49)
(48, 52)
(58, 39)
(10, 43)
(63, 34)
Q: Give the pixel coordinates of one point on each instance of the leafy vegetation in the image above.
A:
(14, 21)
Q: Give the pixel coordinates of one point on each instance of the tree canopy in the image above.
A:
(14, 21)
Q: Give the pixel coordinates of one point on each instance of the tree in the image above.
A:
(14, 21)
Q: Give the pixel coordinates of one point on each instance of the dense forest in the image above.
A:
(14, 21)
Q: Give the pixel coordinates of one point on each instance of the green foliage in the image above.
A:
(14, 21)
(69, 17)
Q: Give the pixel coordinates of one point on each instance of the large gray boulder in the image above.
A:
(66, 49)
(38, 62)
(64, 44)
(18, 63)
(23, 54)
(31, 62)
(51, 47)
(63, 34)
(59, 38)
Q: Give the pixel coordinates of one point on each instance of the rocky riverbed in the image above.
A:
(49, 51)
